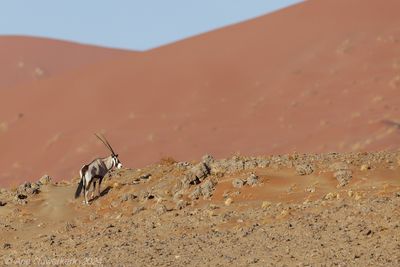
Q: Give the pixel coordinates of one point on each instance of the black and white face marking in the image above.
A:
(117, 163)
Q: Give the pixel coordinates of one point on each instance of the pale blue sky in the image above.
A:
(129, 24)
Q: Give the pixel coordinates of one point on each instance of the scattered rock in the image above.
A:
(228, 201)
(28, 189)
(177, 196)
(195, 175)
(304, 169)
(331, 196)
(357, 196)
(237, 183)
(196, 193)
(69, 226)
(252, 179)
(250, 164)
(365, 167)
(183, 165)
(235, 164)
(21, 200)
(350, 193)
(212, 206)
(265, 204)
(145, 176)
(283, 213)
(161, 209)
(21, 196)
(116, 185)
(137, 210)
(232, 165)
(46, 179)
(181, 204)
(145, 195)
(2, 203)
(262, 163)
(208, 160)
(342, 172)
(343, 176)
(207, 188)
(7, 246)
(129, 196)
(310, 189)
(200, 171)
(114, 204)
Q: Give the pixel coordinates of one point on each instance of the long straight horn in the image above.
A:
(106, 143)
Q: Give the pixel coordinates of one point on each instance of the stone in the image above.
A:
(208, 160)
(183, 165)
(178, 195)
(350, 193)
(357, 196)
(250, 164)
(331, 196)
(45, 179)
(145, 195)
(145, 176)
(228, 201)
(161, 209)
(196, 193)
(28, 189)
(265, 204)
(304, 169)
(235, 164)
(237, 183)
(207, 188)
(343, 177)
(365, 167)
(200, 171)
(137, 210)
(181, 204)
(127, 197)
(310, 189)
(262, 163)
(252, 179)
(116, 185)
(69, 226)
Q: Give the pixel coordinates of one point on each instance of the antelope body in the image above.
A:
(95, 171)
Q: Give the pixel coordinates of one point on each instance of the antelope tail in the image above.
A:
(79, 189)
(82, 173)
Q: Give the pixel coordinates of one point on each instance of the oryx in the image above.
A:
(96, 170)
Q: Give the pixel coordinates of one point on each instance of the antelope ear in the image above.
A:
(116, 155)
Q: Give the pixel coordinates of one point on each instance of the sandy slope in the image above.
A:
(28, 59)
(319, 76)
(294, 214)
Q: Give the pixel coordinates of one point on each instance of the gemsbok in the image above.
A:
(96, 170)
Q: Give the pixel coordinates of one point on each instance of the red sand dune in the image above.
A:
(318, 76)
(27, 59)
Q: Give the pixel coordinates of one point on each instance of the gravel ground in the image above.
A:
(289, 210)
